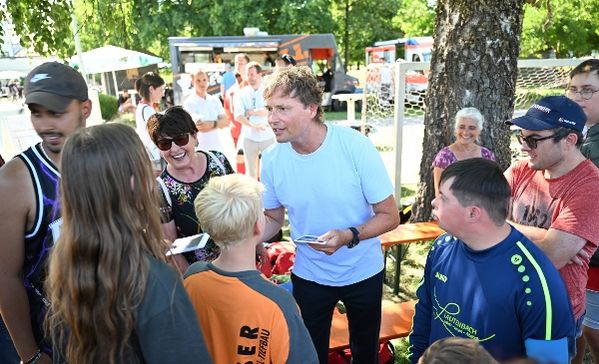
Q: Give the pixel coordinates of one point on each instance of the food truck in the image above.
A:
(317, 51)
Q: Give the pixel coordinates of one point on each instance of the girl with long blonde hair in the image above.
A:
(112, 297)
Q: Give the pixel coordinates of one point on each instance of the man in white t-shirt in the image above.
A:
(250, 112)
(332, 182)
(211, 121)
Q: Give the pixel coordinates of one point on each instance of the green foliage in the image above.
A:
(367, 21)
(415, 18)
(108, 106)
(569, 27)
(42, 24)
(304, 17)
(229, 17)
(115, 26)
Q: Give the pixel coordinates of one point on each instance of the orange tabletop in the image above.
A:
(396, 322)
(411, 232)
(403, 234)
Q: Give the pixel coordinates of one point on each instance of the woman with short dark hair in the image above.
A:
(187, 172)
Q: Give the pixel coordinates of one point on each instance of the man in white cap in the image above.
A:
(555, 192)
(30, 218)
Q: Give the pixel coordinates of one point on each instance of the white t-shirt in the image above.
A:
(332, 188)
(248, 99)
(142, 114)
(210, 108)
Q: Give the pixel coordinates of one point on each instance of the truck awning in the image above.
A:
(191, 46)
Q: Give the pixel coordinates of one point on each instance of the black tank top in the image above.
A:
(40, 239)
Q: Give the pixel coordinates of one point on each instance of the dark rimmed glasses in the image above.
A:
(166, 143)
(585, 93)
(531, 141)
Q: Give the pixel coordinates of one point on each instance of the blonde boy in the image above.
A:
(244, 317)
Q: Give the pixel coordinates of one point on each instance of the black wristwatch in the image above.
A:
(355, 240)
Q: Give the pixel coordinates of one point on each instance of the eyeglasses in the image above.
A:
(585, 93)
(166, 144)
(532, 142)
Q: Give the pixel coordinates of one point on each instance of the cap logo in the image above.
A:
(39, 77)
(562, 120)
(542, 108)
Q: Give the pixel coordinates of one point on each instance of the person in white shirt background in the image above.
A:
(151, 88)
(250, 111)
(214, 132)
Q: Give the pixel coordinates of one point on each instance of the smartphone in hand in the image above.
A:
(308, 239)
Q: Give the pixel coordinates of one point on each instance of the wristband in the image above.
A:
(34, 359)
(215, 122)
(355, 238)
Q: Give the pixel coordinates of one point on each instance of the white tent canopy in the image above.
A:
(15, 67)
(12, 75)
(110, 58)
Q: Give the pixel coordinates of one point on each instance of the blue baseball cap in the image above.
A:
(552, 112)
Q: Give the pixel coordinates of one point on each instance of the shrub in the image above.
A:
(108, 106)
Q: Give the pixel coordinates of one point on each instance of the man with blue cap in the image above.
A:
(555, 192)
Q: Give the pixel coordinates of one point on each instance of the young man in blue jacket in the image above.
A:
(485, 280)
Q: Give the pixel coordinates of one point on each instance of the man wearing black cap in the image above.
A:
(30, 218)
(556, 190)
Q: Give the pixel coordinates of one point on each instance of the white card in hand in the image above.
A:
(308, 239)
(187, 244)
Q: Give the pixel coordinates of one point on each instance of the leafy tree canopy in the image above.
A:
(145, 25)
(43, 25)
(568, 27)
(415, 18)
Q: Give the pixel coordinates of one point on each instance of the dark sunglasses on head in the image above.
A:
(166, 143)
(288, 59)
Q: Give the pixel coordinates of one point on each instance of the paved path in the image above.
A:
(16, 133)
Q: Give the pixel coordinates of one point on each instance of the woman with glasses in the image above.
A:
(151, 89)
(187, 172)
(467, 128)
(112, 297)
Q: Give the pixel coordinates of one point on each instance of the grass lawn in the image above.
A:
(412, 268)
(338, 115)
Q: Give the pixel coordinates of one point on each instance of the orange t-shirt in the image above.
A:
(246, 318)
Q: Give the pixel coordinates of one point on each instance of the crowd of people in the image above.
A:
(90, 213)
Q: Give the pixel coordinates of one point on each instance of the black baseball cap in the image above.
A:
(54, 85)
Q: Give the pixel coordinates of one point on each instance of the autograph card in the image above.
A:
(189, 243)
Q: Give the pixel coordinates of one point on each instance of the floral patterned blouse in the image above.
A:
(445, 157)
(183, 194)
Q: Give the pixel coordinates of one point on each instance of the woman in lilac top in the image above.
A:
(468, 125)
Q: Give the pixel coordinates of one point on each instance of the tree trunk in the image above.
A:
(474, 63)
